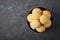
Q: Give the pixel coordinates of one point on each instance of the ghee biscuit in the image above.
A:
(36, 16)
(40, 29)
(44, 19)
(34, 24)
(36, 10)
(47, 13)
(36, 13)
(30, 18)
(48, 24)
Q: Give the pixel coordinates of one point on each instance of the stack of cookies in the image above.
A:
(39, 19)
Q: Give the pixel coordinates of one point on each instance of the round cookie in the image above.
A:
(29, 18)
(36, 13)
(36, 10)
(34, 24)
(40, 29)
(44, 19)
(48, 24)
(47, 13)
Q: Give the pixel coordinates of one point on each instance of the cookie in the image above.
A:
(34, 24)
(47, 13)
(36, 13)
(48, 24)
(44, 19)
(40, 29)
(29, 18)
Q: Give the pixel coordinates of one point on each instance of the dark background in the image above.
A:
(13, 25)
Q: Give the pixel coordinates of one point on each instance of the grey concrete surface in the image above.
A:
(13, 25)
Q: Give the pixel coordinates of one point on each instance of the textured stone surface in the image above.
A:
(13, 25)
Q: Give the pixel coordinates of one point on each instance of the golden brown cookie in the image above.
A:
(47, 13)
(44, 19)
(40, 29)
(34, 24)
(36, 13)
(48, 24)
(36, 10)
(29, 18)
